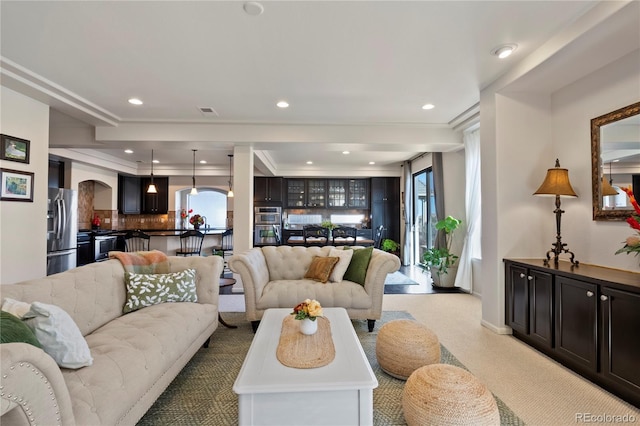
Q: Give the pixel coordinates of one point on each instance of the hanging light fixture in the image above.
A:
(194, 191)
(230, 193)
(607, 189)
(152, 187)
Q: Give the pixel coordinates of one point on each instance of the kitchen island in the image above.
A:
(168, 240)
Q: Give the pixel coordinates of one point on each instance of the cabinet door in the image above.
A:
(621, 346)
(267, 190)
(517, 314)
(274, 189)
(316, 193)
(541, 307)
(337, 193)
(385, 206)
(296, 193)
(129, 197)
(260, 190)
(576, 336)
(358, 194)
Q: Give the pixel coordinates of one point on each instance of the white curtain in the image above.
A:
(473, 197)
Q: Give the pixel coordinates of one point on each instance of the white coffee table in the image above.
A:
(340, 393)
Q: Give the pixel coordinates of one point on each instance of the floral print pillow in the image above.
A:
(152, 289)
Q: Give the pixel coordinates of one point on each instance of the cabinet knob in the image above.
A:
(521, 275)
(604, 298)
(529, 277)
(589, 294)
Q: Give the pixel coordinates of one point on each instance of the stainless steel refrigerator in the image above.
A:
(62, 230)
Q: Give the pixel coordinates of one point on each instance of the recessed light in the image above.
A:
(372, 163)
(128, 151)
(155, 161)
(428, 106)
(504, 50)
(253, 8)
(282, 104)
(203, 161)
(309, 162)
(346, 152)
(135, 101)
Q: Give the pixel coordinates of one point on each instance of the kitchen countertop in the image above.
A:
(153, 232)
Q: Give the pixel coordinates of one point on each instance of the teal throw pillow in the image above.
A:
(152, 289)
(13, 330)
(357, 270)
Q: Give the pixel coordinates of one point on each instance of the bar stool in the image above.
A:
(190, 243)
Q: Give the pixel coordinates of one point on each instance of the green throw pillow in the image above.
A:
(13, 330)
(357, 270)
(152, 289)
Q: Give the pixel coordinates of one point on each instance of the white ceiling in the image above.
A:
(341, 65)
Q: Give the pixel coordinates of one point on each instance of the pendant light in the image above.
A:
(194, 191)
(230, 193)
(152, 187)
(607, 189)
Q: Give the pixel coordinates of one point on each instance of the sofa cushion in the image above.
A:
(130, 354)
(152, 289)
(341, 267)
(14, 330)
(59, 335)
(290, 263)
(321, 268)
(357, 270)
(288, 293)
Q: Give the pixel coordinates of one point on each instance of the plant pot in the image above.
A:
(308, 327)
(444, 280)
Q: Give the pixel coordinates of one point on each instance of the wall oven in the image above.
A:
(102, 245)
(265, 235)
(268, 215)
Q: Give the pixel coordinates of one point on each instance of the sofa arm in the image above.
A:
(32, 388)
(381, 264)
(252, 267)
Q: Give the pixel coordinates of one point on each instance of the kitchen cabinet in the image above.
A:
(585, 317)
(84, 251)
(348, 193)
(155, 203)
(267, 190)
(129, 195)
(56, 174)
(306, 193)
(385, 206)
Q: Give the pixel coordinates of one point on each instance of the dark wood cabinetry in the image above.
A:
(129, 199)
(267, 190)
(307, 193)
(348, 193)
(155, 203)
(585, 317)
(385, 206)
(56, 174)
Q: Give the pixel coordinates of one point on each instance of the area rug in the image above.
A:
(398, 278)
(202, 393)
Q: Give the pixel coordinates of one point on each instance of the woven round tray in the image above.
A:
(298, 350)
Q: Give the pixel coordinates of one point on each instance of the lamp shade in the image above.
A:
(556, 183)
(607, 189)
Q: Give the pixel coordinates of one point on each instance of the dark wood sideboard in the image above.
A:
(585, 317)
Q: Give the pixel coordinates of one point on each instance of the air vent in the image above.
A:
(208, 111)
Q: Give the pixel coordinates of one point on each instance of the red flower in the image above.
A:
(633, 223)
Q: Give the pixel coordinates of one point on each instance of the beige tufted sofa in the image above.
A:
(272, 277)
(135, 356)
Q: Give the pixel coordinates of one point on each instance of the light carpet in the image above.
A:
(202, 393)
(398, 278)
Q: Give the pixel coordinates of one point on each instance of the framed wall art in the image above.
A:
(14, 149)
(16, 185)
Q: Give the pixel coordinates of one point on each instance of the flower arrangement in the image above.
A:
(308, 309)
(184, 213)
(196, 219)
(632, 244)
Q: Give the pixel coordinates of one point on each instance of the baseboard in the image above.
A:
(498, 330)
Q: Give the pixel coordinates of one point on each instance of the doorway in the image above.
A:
(424, 213)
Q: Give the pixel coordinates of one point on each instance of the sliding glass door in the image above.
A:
(424, 213)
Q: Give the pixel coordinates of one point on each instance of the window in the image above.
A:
(210, 203)
(424, 213)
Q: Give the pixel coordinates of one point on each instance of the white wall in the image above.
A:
(23, 228)
(106, 200)
(521, 136)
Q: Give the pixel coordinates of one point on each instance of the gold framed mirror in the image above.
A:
(615, 159)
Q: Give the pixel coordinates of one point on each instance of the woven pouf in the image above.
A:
(404, 345)
(442, 394)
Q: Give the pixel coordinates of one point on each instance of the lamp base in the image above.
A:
(556, 255)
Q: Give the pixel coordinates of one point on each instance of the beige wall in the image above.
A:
(23, 231)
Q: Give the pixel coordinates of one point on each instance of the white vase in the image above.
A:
(308, 327)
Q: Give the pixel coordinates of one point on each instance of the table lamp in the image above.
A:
(557, 183)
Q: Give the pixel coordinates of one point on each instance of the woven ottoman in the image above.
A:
(404, 345)
(442, 394)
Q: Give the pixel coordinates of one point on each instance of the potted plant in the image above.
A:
(441, 261)
(390, 246)
(329, 226)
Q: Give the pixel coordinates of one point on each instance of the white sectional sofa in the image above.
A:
(273, 277)
(135, 355)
